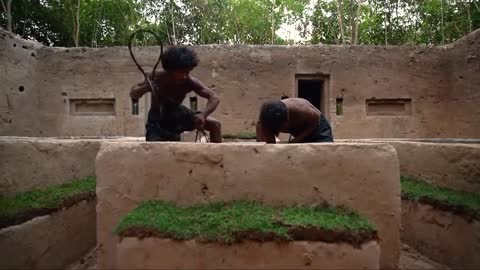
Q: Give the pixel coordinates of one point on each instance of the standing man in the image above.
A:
(167, 117)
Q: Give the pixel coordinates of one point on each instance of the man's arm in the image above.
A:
(139, 89)
(264, 135)
(208, 94)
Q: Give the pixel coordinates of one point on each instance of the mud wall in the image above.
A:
(152, 253)
(50, 241)
(453, 164)
(404, 92)
(463, 109)
(27, 163)
(443, 236)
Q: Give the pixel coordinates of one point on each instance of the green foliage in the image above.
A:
(219, 221)
(396, 22)
(110, 22)
(50, 197)
(416, 190)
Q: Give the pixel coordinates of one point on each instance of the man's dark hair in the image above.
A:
(284, 97)
(179, 58)
(273, 115)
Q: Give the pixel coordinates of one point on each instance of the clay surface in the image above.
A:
(439, 83)
(452, 164)
(27, 163)
(441, 236)
(154, 253)
(363, 177)
(455, 166)
(409, 259)
(49, 242)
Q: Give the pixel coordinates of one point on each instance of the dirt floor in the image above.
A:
(409, 259)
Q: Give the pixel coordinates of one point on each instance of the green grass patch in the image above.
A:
(241, 135)
(223, 221)
(44, 198)
(464, 202)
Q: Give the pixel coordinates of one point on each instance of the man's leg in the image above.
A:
(215, 129)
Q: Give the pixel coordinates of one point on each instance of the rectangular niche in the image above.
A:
(389, 107)
(92, 106)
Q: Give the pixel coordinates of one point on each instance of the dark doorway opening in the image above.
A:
(311, 90)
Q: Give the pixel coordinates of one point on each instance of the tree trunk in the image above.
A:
(443, 26)
(476, 5)
(357, 20)
(174, 35)
(469, 17)
(168, 33)
(95, 26)
(386, 26)
(352, 23)
(340, 21)
(7, 8)
(273, 22)
(76, 25)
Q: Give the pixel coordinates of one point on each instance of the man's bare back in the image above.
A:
(301, 115)
(296, 116)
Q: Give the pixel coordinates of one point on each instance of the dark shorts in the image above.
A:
(322, 133)
(167, 124)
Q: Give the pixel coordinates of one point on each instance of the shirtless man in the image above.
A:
(296, 116)
(167, 117)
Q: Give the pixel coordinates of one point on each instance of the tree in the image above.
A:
(110, 22)
(340, 20)
(273, 21)
(7, 8)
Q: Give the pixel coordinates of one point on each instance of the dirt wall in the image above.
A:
(464, 79)
(27, 163)
(407, 92)
(442, 236)
(49, 242)
(453, 164)
(154, 253)
(189, 173)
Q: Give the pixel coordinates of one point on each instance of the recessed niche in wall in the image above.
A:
(193, 104)
(389, 107)
(92, 106)
(339, 106)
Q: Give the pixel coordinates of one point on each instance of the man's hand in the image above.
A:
(199, 121)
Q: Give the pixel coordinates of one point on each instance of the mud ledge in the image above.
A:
(466, 205)
(29, 214)
(41, 201)
(295, 233)
(463, 211)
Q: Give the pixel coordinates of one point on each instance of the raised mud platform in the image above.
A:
(362, 177)
(245, 235)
